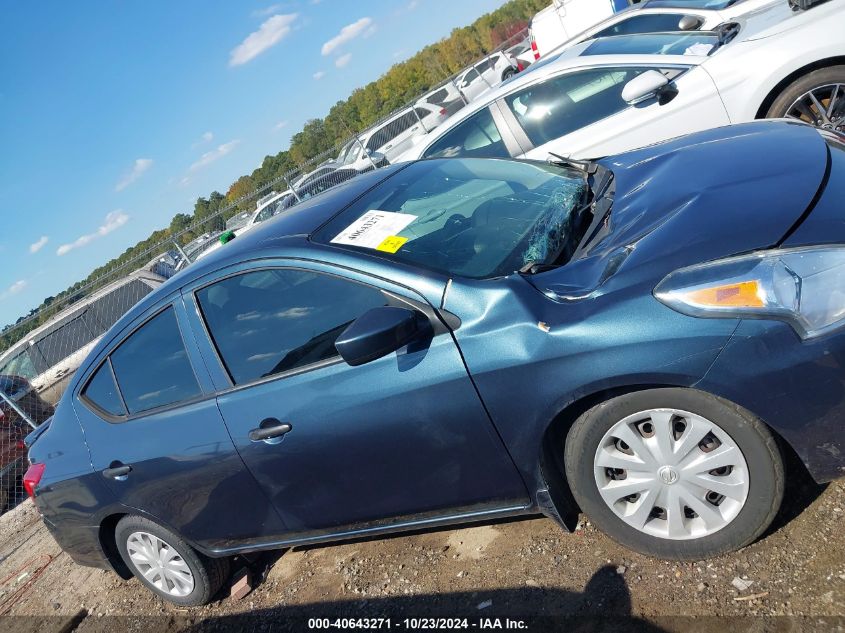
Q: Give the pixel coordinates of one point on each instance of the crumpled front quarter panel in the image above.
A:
(527, 375)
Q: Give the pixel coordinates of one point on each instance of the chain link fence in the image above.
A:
(41, 352)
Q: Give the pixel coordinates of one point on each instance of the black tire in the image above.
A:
(811, 81)
(508, 73)
(758, 446)
(209, 574)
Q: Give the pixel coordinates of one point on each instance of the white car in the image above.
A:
(390, 138)
(562, 20)
(615, 94)
(321, 170)
(655, 16)
(265, 208)
(485, 75)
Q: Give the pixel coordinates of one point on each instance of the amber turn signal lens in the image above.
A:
(744, 294)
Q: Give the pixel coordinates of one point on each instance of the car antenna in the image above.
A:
(586, 166)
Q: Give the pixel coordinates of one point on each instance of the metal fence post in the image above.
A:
(419, 120)
(293, 191)
(366, 153)
(181, 252)
(17, 409)
(458, 88)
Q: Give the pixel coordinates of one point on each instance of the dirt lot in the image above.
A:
(519, 568)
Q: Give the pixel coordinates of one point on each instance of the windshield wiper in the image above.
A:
(587, 166)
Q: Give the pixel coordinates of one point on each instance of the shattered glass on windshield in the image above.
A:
(552, 232)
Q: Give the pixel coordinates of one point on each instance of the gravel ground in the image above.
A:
(514, 569)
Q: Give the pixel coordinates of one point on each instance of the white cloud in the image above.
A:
(14, 289)
(37, 246)
(113, 221)
(363, 27)
(206, 137)
(280, 126)
(270, 33)
(209, 157)
(413, 4)
(140, 166)
(273, 8)
(319, 75)
(343, 60)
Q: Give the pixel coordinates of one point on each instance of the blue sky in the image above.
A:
(115, 116)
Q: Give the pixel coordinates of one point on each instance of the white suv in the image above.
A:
(389, 139)
(484, 75)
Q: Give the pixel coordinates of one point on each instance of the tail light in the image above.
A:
(520, 67)
(33, 475)
(20, 444)
(442, 111)
(535, 49)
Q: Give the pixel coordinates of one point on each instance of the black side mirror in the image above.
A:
(378, 332)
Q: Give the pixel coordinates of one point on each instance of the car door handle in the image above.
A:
(269, 429)
(117, 471)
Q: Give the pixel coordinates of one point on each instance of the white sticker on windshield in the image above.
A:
(372, 228)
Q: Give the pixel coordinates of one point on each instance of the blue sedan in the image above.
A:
(640, 338)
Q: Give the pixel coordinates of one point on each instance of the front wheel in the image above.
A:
(675, 473)
(166, 564)
(818, 98)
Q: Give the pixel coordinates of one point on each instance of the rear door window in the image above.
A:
(102, 391)
(152, 366)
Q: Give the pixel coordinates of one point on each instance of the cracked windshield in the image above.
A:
(470, 218)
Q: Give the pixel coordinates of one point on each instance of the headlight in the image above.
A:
(803, 286)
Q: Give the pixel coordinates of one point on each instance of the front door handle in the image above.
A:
(117, 471)
(269, 429)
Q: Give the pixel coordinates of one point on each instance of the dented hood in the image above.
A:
(700, 197)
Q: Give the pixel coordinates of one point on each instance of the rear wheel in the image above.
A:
(675, 473)
(818, 98)
(508, 73)
(166, 564)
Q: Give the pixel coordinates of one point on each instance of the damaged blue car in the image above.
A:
(642, 338)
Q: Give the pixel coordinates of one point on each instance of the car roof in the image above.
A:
(300, 220)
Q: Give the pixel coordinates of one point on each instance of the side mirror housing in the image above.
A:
(377, 333)
(645, 86)
(690, 23)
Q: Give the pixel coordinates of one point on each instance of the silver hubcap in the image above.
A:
(671, 474)
(160, 564)
(823, 107)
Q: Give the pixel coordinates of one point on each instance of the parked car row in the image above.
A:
(613, 94)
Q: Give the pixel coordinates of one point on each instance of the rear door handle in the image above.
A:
(269, 429)
(117, 471)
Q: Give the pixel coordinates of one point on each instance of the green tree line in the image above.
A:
(401, 84)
